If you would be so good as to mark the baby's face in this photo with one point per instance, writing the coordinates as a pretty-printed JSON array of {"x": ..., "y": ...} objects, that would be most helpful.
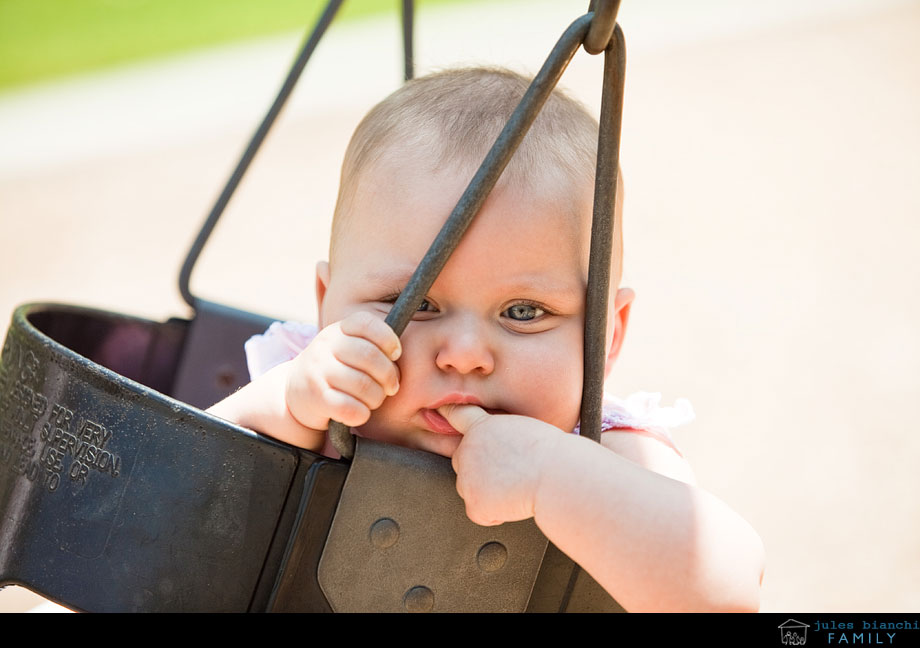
[{"x": 502, "y": 326}]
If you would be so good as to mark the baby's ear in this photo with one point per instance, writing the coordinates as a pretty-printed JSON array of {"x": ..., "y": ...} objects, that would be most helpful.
[
  {"x": 322, "y": 283},
  {"x": 620, "y": 318}
]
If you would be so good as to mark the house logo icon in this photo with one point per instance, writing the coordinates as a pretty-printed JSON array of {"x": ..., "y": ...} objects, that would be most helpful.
[{"x": 793, "y": 633}]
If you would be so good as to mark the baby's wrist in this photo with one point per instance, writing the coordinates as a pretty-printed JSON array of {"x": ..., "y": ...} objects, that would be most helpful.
[
  {"x": 298, "y": 432},
  {"x": 551, "y": 466}
]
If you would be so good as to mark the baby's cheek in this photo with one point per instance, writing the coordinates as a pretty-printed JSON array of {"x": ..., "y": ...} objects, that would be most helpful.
[{"x": 550, "y": 387}]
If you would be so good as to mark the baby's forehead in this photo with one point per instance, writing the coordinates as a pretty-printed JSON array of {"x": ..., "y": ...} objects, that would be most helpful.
[{"x": 434, "y": 188}]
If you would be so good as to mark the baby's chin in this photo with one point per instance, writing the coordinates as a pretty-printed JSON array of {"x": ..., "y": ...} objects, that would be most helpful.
[
  {"x": 415, "y": 439},
  {"x": 442, "y": 445}
]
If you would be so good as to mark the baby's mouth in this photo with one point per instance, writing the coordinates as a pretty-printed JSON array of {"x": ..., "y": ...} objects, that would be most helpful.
[{"x": 439, "y": 425}]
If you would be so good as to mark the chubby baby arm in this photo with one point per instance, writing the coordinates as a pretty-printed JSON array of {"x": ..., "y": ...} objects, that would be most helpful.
[
  {"x": 343, "y": 374},
  {"x": 654, "y": 542}
]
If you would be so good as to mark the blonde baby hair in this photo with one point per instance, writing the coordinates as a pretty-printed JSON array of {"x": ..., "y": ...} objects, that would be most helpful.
[{"x": 452, "y": 118}]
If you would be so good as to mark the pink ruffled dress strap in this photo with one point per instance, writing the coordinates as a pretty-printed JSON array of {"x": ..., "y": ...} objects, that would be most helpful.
[
  {"x": 282, "y": 341},
  {"x": 642, "y": 413}
]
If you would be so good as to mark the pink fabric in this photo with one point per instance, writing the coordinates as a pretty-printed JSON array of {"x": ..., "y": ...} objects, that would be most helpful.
[
  {"x": 640, "y": 412},
  {"x": 282, "y": 341}
]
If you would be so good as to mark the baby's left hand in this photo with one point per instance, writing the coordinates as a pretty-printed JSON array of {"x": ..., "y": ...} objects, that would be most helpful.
[{"x": 499, "y": 462}]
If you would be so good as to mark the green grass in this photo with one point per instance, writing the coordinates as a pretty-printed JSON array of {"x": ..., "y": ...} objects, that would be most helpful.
[{"x": 45, "y": 39}]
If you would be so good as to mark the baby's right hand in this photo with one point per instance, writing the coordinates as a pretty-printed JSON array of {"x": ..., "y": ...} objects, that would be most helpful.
[{"x": 345, "y": 373}]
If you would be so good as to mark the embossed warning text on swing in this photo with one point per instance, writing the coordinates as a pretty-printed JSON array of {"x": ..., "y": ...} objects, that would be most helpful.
[
  {"x": 83, "y": 441},
  {"x": 67, "y": 445}
]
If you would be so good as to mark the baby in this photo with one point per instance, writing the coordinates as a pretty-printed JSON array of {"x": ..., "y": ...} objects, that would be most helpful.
[{"x": 489, "y": 372}]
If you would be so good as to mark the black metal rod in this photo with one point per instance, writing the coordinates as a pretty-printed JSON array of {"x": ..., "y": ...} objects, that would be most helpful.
[
  {"x": 605, "y": 19},
  {"x": 408, "y": 28},
  {"x": 602, "y": 228},
  {"x": 475, "y": 195},
  {"x": 253, "y": 147}
]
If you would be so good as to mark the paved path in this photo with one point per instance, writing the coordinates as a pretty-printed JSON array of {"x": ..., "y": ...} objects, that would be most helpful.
[{"x": 771, "y": 152}]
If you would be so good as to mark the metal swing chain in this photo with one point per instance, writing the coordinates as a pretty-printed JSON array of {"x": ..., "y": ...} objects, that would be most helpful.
[
  {"x": 602, "y": 227},
  {"x": 300, "y": 62},
  {"x": 605, "y": 20},
  {"x": 595, "y": 27}
]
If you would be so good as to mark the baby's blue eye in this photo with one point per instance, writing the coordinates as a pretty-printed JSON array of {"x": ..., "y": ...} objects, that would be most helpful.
[
  {"x": 425, "y": 307},
  {"x": 523, "y": 312}
]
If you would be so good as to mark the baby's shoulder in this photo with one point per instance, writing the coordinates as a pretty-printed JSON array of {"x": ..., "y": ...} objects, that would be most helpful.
[{"x": 638, "y": 428}]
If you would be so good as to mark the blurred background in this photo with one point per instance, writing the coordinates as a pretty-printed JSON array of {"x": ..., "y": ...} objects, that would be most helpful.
[{"x": 770, "y": 151}]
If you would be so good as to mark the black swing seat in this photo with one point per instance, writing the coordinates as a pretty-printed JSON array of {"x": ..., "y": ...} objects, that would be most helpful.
[{"x": 118, "y": 494}]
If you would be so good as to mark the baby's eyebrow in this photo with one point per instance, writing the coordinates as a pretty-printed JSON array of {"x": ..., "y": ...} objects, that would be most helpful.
[
  {"x": 395, "y": 278},
  {"x": 536, "y": 286},
  {"x": 544, "y": 284}
]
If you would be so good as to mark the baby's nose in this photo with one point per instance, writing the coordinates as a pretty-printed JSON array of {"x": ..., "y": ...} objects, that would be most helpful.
[{"x": 466, "y": 349}]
